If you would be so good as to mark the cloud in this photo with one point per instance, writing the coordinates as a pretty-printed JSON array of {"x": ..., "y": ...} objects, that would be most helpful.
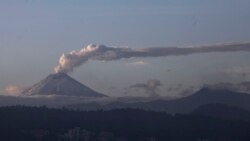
[
  {"x": 175, "y": 88},
  {"x": 13, "y": 90},
  {"x": 112, "y": 88},
  {"x": 68, "y": 62},
  {"x": 138, "y": 63},
  {"x": 150, "y": 86},
  {"x": 239, "y": 87},
  {"x": 187, "y": 91},
  {"x": 243, "y": 71}
]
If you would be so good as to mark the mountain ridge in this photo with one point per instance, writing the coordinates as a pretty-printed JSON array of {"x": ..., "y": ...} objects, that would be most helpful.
[{"x": 181, "y": 105}]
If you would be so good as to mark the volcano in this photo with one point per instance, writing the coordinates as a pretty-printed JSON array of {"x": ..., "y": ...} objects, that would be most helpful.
[{"x": 61, "y": 84}]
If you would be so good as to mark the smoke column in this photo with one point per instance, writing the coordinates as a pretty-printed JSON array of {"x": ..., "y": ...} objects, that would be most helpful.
[{"x": 68, "y": 62}]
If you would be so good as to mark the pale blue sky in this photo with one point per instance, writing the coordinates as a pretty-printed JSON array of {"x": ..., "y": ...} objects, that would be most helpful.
[{"x": 34, "y": 33}]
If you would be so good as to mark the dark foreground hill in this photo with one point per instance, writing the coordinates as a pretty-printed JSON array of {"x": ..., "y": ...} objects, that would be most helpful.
[
  {"x": 20, "y": 123},
  {"x": 222, "y": 111}
]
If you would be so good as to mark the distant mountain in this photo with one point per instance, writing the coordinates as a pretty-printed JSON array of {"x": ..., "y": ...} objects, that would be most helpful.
[
  {"x": 61, "y": 84},
  {"x": 182, "y": 105}
]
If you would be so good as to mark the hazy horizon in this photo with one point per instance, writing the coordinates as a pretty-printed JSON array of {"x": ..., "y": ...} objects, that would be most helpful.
[{"x": 34, "y": 34}]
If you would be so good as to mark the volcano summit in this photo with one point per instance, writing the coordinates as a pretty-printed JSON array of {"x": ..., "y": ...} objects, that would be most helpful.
[{"x": 61, "y": 84}]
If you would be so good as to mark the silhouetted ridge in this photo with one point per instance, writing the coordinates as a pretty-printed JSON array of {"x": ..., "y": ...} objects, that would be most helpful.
[
  {"x": 222, "y": 111},
  {"x": 207, "y": 91}
]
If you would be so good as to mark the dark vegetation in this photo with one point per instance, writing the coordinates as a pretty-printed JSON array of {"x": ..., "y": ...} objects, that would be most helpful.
[
  {"x": 223, "y": 111},
  {"x": 20, "y": 123}
]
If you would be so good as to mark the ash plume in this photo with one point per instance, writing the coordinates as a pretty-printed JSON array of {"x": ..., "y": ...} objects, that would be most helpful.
[{"x": 68, "y": 62}]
